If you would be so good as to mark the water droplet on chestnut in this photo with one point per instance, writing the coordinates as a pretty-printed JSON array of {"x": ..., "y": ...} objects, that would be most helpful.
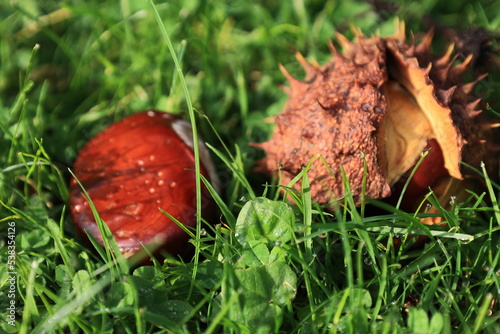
[
  {"x": 111, "y": 205},
  {"x": 132, "y": 209}
]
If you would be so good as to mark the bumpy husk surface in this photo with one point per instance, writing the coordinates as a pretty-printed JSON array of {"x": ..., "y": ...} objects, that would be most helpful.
[{"x": 369, "y": 112}]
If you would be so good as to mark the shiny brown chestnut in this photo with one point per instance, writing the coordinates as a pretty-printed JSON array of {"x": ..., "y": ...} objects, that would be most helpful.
[{"x": 131, "y": 170}]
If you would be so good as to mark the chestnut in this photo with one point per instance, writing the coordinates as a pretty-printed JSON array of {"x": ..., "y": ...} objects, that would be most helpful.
[
  {"x": 429, "y": 173},
  {"x": 131, "y": 170}
]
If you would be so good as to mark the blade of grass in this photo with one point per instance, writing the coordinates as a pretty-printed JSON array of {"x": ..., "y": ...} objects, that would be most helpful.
[
  {"x": 238, "y": 172},
  {"x": 113, "y": 253},
  {"x": 196, "y": 149},
  {"x": 493, "y": 197},
  {"x": 67, "y": 308}
]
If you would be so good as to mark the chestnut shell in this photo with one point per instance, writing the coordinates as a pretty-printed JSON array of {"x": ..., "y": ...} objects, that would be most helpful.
[{"x": 370, "y": 112}]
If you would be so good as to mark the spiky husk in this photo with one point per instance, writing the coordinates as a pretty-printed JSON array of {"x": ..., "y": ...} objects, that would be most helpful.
[
  {"x": 333, "y": 116},
  {"x": 370, "y": 112}
]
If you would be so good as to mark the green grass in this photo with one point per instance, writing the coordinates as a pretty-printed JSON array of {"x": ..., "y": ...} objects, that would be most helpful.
[{"x": 292, "y": 269}]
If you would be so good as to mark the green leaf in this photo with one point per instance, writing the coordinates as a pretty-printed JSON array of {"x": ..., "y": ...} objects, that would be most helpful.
[
  {"x": 418, "y": 321},
  {"x": 174, "y": 310},
  {"x": 264, "y": 291},
  {"x": 361, "y": 297},
  {"x": 265, "y": 220},
  {"x": 81, "y": 282},
  {"x": 437, "y": 323},
  {"x": 278, "y": 254},
  {"x": 274, "y": 282},
  {"x": 63, "y": 279},
  {"x": 154, "y": 275},
  {"x": 35, "y": 239},
  {"x": 254, "y": 254},
  {"x": 209, "y": 274},
  {"x": 121, "y": 294},
  {"x": 156, "y": 300}
]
